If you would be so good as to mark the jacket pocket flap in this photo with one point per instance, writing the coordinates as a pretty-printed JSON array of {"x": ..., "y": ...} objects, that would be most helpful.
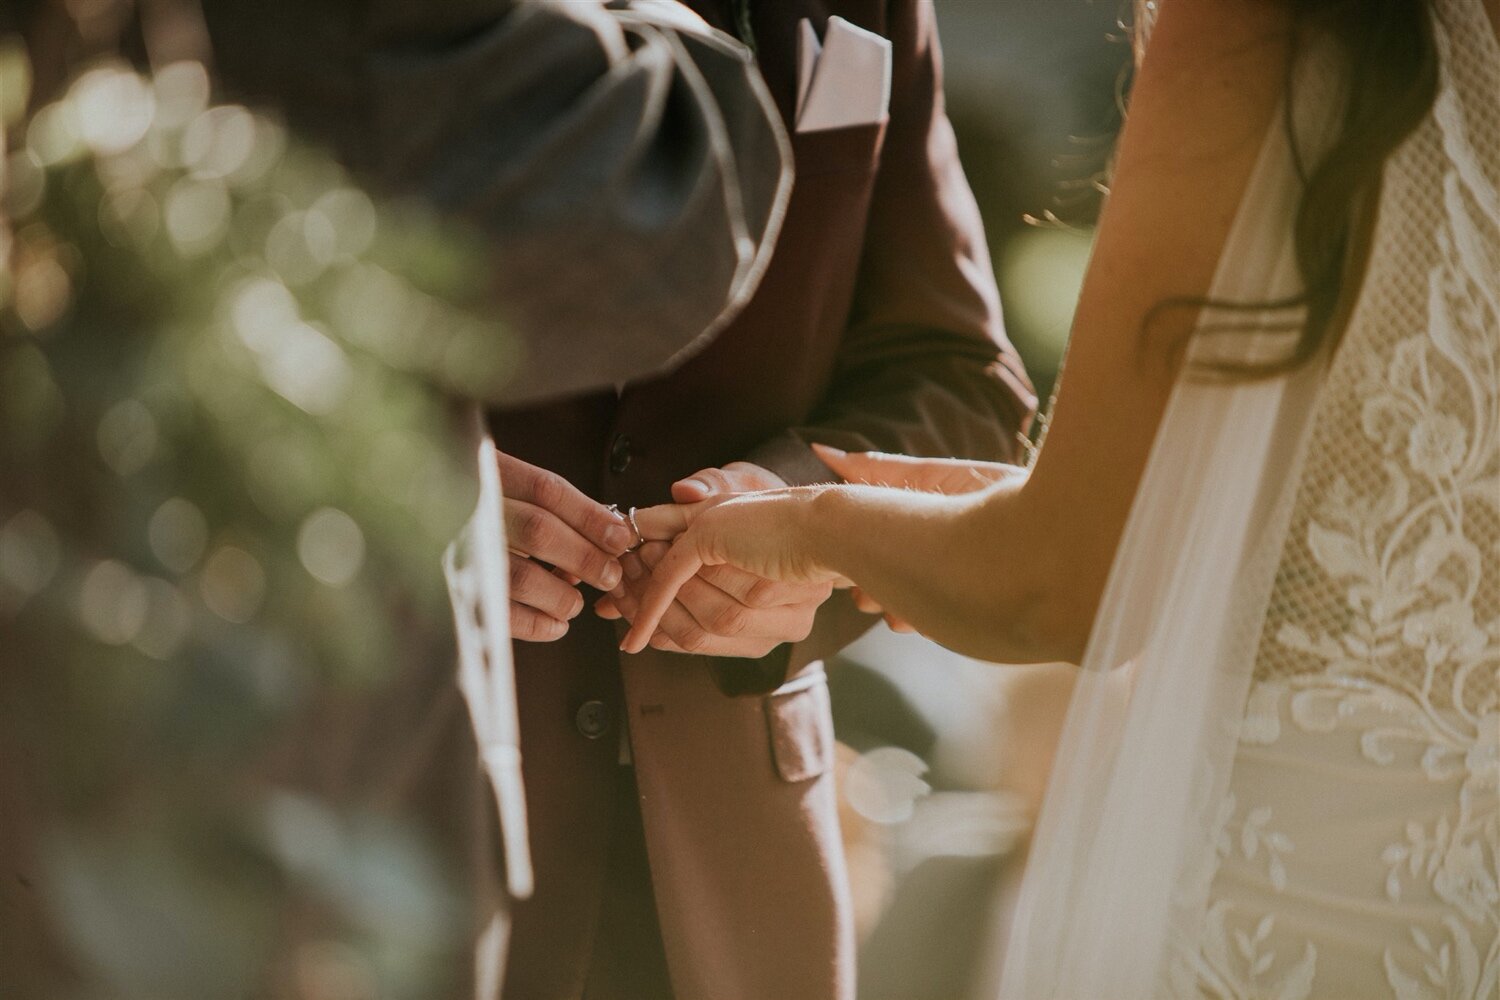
[{"x": 798, "y": 716}]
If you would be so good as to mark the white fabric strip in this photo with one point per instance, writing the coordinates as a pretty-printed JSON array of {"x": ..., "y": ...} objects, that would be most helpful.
[{"x": 476, "y": 569}]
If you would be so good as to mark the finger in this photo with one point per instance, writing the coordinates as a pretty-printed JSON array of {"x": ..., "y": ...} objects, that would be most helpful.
[
  {"x": 665, "y": 644},
  {"x": 744, "y": 477},
  {"x": 607, "y": 608},
  {"x": 759, "y": 592},
  {"x": 899, "y": 624},
  {"x": 651, "y": 553},
  {"x": 865, "y": 603},
  {"x": 629, "y": 603},
  {"x": 636, "y": 570},
  {"x": 530, "y": 625},
  {"x": 945, "y": 475},
  {"x": 676, "y": 568},
  {"x": 667, "y": 521},
  {"x": 736, "y": 477},
  {"x": 554, "y": 494},
  {"x": 746, "y": 588},
  {"x": 876, "y": 468},
  {"x": 714, "y": 612},
  {"x": 537, "y": 532},
  {"x": 627, "y": 596},
  {"x": 687, "y": 634},
  {"x": 747, "y": 648},
  {"x": 678, "y": 624},
  {"x": 718, "y": 614},
  {"x": 537, "y": 588}
]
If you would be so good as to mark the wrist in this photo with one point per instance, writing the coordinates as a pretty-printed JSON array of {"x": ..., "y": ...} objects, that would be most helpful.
[{"x": 823, "y": 526}]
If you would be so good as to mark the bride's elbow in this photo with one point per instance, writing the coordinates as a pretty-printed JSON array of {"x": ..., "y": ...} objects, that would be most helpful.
[
  {"x": 1065, "y": 620},
  {"x": 1039, "y": 600},
  {"x": 1039, "y": 610},
  {"x": 1043, "y": 625}
]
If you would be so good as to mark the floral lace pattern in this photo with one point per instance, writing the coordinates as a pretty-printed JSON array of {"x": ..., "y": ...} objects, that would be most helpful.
[{"x": 1380, "y": 659}]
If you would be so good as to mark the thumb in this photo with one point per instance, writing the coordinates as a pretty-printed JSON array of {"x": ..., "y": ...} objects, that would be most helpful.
[{"x": 699, "y": 486}]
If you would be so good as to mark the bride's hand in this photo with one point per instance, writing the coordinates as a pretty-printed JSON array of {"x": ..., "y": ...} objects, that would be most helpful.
[
  {"x": 760, "y": 533},
  {"x": 930, "y": 475}
]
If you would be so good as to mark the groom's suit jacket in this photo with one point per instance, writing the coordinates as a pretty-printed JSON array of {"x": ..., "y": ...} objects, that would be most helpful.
[{"x": 877, "y": 326}]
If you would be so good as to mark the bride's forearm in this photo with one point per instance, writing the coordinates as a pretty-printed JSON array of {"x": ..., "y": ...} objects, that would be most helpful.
[{"x": 960, "y": 569}]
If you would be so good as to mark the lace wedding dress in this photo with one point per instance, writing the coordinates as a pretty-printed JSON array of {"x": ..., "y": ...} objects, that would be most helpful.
[
  {"x": 1356, "y": 850},
  {"x": 1278, "y": 778}
]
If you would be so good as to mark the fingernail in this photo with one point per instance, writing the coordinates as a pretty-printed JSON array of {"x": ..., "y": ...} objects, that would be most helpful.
[
  {"x": 577, "y": 608},
  {"x": 618, "y": 538},
  {"x": 610, "y": 578},
  {"x": 828, "y": 449},
  {"x": 633, "y": 570},
  {"x": 697, "y": 484}
]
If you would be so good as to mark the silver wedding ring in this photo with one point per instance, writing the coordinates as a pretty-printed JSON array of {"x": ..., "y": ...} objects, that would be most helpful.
[
  {"x": 629, "y": 517},
  {"x": 640, "y": 539}
]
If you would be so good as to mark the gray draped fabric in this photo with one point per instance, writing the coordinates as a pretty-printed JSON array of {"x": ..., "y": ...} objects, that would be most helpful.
[{"x": 628, "y": 178}]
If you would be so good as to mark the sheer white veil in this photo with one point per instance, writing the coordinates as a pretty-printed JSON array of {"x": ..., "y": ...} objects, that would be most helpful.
[{"x": 1118, "y": 875}]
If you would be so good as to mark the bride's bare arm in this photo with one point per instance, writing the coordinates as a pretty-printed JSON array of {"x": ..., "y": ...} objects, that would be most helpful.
[{"x": 1015, "y": 572}]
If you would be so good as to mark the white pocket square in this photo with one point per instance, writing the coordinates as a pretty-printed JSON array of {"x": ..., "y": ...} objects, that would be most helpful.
[{"x": 844, "y": 80}]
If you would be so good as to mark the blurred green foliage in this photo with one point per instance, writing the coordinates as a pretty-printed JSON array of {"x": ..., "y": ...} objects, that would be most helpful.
[{"x": 229, "y": 463}]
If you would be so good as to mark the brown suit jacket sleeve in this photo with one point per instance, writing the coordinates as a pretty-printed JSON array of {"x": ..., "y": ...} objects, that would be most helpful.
[{"x": 924, "y": 367}]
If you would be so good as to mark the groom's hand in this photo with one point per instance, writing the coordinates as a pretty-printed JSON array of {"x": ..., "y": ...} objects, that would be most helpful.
[
  {"x": 722, "y": 611},
  {"x": 557, "y": 537}
]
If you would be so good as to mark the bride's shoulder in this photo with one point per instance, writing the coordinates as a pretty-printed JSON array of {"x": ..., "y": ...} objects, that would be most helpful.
[{"x": 1209, "y": 22}]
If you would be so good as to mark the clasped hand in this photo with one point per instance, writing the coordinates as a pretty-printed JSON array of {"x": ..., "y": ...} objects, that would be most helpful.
[
  {"x": 719, "y": 610},
  {"x": 775, "y": 534},
  {"x": 559, "y": 537},
  {"x": 728, "y": 569}
]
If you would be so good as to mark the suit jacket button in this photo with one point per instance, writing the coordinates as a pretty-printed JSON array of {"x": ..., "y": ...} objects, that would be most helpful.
[
  {"x": 620, "y": 454},
  {"x": 592, "y": 719}
]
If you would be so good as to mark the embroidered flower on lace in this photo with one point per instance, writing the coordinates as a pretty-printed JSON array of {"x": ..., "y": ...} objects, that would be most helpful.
[
  {"x": 1450, "y": 970},
  {"x": 1238, "y": 963},
  {"x": 1235, "y": 958}
]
